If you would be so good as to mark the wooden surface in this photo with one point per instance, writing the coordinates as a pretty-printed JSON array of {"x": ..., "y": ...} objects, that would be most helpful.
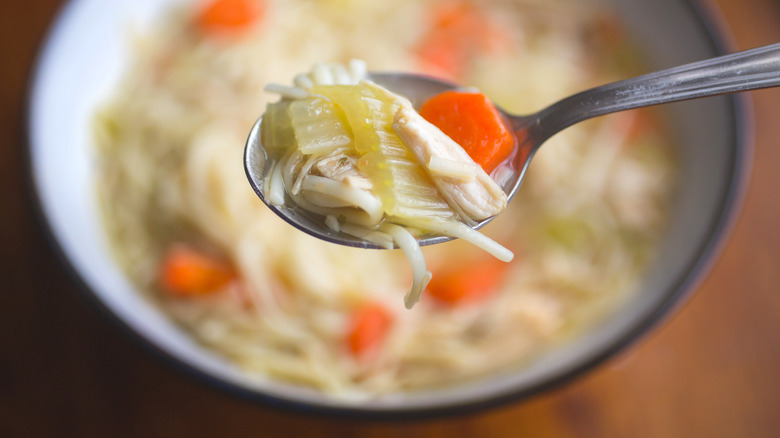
[{"x": 711, "y": 370}]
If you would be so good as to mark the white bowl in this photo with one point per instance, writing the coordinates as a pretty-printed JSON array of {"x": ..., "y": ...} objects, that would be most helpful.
[{"x": 81, "y": 61}]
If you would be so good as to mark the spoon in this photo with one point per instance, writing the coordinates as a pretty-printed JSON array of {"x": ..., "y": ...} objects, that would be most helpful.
[{"x": 741, "y": 71}]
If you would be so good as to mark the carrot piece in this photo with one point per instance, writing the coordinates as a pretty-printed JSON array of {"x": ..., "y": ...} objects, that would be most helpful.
[
  {"x": 457, "y": 33},
  {"x": 220, "y": 16},
  {"x": 454, "y": 32},
  {"x": 467, "y": 283},
  {"x": 474, "y": 123},
  {"x": 641, "y": 123},
  {"x": 440, "y": 56},
  {"x": 368, "y": 327},
  {"x": 186, "y": 272}
]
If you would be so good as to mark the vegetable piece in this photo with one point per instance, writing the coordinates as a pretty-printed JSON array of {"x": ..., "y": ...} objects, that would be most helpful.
[
  {"x": 467, "y": 283},
  {"x": 318, "y": 126},
  {"x": 474, "y": 123},
  {"x": 221, "y": 16},
  {"x": 187, "y": 272},
  {"x": 397, "y": 178},
  {"x": 368, "y": 328},
  {"x": 445, "y": 48},
  {"x": 277, "y": 131},
  {"x": 641, "y": 123},
  {"x": 458, "y": 32}
]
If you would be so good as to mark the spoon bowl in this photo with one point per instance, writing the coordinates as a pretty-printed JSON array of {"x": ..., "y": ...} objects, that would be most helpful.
[
  {"x": 741, "y": 71},
  {"x": 418, "y": 89}
]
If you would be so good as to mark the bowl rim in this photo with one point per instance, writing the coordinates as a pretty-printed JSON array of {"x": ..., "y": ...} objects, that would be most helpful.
[{"x": 740, "y": 109}]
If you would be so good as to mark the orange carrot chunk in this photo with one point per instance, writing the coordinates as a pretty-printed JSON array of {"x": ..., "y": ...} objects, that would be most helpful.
[
  {"x": 368, "y": 328},
  {"x": 445, "y": 49},
  {"x": 474, "y": 123},
  {"x": 467, "y": 283},
  {"x": 186, "y": 272},
  {"x": 220, "y": 16},
  {"x": 457, "y": 32}
]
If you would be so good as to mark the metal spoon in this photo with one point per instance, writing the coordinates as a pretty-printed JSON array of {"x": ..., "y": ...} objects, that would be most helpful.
[{"x": 747, "y": 70}]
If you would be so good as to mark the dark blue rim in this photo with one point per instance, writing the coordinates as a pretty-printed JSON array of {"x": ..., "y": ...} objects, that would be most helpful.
[{"x": 742, "y": 137}]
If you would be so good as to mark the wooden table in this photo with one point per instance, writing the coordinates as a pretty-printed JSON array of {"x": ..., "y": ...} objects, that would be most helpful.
[{"x": 711, "y": 370}]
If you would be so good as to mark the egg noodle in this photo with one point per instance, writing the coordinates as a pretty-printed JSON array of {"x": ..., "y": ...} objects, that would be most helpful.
[{"x": 583, "y": 228}]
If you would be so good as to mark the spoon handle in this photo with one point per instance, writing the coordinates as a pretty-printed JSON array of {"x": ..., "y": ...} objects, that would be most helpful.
[{"x": 747, "y": 70}]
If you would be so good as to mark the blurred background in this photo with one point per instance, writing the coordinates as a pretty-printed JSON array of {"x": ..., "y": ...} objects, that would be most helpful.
[{"x": 712, "y": 369}]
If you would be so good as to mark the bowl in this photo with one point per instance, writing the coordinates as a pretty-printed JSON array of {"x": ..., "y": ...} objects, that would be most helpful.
[{"x": 82, "y": 58}]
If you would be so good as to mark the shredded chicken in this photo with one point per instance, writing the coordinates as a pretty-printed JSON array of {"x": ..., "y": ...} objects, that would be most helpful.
[
  {"x": 478, "y": 198},
  {"x": 342, "y": 167}
]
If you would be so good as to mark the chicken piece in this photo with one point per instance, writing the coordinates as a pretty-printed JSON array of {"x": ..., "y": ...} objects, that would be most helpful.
[
  {"x": 343, "y": 168},
  {"x": 477, "y": 197}
]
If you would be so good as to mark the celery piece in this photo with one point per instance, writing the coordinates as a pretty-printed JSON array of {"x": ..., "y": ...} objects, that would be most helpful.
[
  {"x": 276, "y": 131},
  {"x": 398, "y": 179},
  {"x": 318, "y": 126}
]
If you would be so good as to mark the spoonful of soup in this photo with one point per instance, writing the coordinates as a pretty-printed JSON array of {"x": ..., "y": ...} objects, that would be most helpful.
[{"x": 385, "y": 160}]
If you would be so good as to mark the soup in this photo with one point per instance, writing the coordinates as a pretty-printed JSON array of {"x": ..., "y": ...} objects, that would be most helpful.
[{"x": 190, "y": 233}]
